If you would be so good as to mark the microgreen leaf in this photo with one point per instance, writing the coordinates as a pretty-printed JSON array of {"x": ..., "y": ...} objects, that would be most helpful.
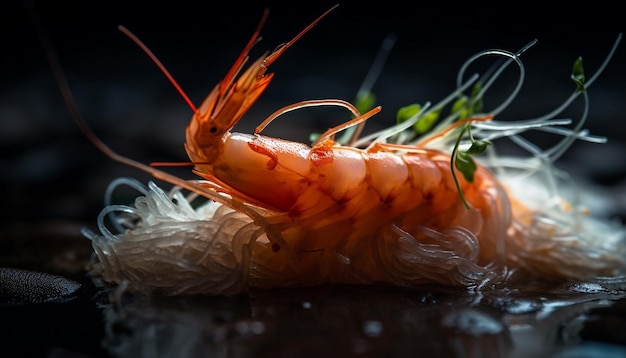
[
  {"x": 578, "y": 75},
  {"x": 466, "y": 106},
  {"x": 365, "y": 101},
  {"x": 463, "y": 161},
  {"x": 477, "y": 147},
  {"x": 407, "y": 112},
  {"x": 459, "y": 106},
  {"x": 465, "y": 164},
  {"x": 425, "y": 123},
  {"x": 476, "y": 99},
  {"x": 454, "y": 163},
  {"x": 313, "y": 136}
]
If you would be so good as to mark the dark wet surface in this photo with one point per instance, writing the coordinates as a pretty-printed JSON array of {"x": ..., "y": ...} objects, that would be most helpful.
[
  {"x": 538, "y": 320},
  {"x": 53, "y": 180}
]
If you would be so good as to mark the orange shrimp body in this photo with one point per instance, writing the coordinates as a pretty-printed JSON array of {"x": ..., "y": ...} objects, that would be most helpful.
[
  {"x": 331, "y": 203},
  {"x": 338, "y": 227}
]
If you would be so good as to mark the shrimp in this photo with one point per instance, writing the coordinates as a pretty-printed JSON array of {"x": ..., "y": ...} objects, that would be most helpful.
[
  {"x": 282, "y": 213},
  {"x": 328, "y": 201}
]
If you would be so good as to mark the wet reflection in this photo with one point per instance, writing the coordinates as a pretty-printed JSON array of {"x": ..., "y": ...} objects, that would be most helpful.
[{"x": 361, "y": 321}]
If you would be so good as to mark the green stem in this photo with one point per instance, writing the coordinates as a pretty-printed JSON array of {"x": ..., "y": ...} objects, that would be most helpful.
[{"x": 453, "y": 167}]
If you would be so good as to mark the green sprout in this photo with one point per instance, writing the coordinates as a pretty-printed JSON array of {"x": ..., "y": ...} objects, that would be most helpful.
[
  {"x": 578, "y": 75},
  {"x": 463, "y": 161},
  {"x": 464, "y": 107},
  {"x": 365, "y": 101},
  {"x": 423, "y": 124},
  {"x": 313, "y": 136},
  {"x": 406, "y": 112}
]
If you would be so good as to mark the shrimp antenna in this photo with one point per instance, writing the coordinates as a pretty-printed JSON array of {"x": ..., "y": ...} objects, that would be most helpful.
[
  {"x": 64, "y": 87},
  {"x": 276, "y": 54},
  {"x": 158, "y": 63}
]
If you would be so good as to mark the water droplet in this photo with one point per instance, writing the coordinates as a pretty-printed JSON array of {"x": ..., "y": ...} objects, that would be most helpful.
[
  {"x": 250, "y": 327},
  {"x": 517, "y": 306},
  {"x": 588, "y": 287},
  {"x": 428, "y": 299},
  {"x": 372, "y": 328},
  {"x": 473, "y": 322}
]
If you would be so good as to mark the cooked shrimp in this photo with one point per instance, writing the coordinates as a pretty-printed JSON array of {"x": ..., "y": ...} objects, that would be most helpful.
[
  {"x": 379, "y": 209},
  {"x": 329, "y": 201}
]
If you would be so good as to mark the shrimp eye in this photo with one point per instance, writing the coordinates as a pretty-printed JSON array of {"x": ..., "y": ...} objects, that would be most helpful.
[{"x": 213, "y": 129}]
